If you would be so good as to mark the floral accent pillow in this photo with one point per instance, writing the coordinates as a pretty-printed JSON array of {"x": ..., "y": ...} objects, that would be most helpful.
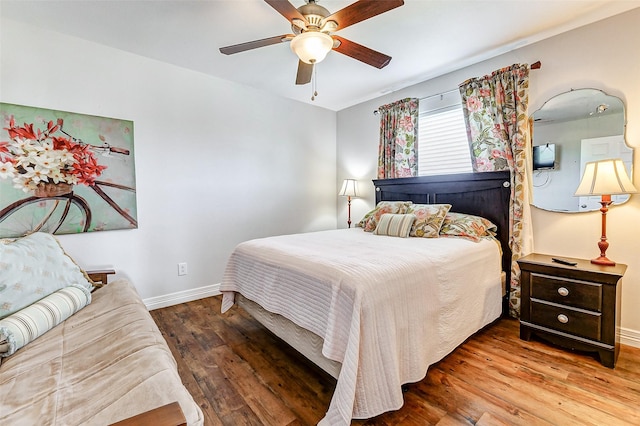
[
  {"x": 370, "y": 221},
  {"x": 395, "y": 225},
  {"x": 467, "y": 226},
  {"x": 429, "y": 219}
]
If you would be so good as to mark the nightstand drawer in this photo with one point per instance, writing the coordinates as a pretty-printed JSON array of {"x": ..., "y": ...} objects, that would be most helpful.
[
  {"x": 573, "y": 321},
  {"x": 579, "y": 294}
]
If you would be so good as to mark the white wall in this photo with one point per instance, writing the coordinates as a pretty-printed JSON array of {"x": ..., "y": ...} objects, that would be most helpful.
[
  {"x": 216, "y": 163},
  {"x": 602, "y": 56}
]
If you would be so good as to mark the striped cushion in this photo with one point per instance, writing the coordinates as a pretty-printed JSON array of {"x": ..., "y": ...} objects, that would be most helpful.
[
  {"x": 395, "y": 225},
  {"x": 26, "y": 325}
]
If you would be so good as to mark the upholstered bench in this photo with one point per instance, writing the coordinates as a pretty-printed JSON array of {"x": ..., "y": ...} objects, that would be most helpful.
[{"x": 106, "y": 362}]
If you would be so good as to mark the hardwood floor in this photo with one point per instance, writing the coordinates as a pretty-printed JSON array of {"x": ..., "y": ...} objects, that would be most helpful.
[{"x": 240, "y": 374}]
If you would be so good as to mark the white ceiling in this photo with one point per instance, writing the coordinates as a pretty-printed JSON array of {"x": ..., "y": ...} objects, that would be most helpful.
[{"x": 426, "y": 38}]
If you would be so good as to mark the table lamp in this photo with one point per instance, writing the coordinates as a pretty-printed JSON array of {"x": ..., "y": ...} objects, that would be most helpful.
[
  {"x": 349, "y": 189},
  {"x": 605, "y": 178}
]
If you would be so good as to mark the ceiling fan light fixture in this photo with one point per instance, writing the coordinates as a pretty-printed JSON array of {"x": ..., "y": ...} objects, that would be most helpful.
[{"x": 311, "y": 46}]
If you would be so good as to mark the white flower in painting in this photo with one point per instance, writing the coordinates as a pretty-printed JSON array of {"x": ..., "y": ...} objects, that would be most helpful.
[
  {"x": 20, "y": 182},
  {"x": 7, "y": 170},
  {"x": 66, "y": 157},
  {"x": 56, "y": 176},
  {"x": 41, "y": 173},
  {"x": 35, "y": 174},
  {"x": 46, "y": 162},
  {"x": 19, "y": 144},
  {"x": 47, "y": 146},
  {"x": 37, "y": 147},
  {"x": 30, "y": 186},
  {"x": 72, "y": 179},
  {"x": 27, "y": 160}
]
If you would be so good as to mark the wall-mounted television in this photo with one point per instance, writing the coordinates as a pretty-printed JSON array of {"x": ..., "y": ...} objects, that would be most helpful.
[{"x": 544, "y": 156}]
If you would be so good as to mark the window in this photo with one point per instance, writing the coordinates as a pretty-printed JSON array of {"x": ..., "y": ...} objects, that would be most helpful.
[{"x": 442, "y": 140}]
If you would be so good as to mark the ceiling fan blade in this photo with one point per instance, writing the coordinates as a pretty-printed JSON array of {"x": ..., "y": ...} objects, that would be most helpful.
[
  {"x": 286, "y": 9},
  {"x": 304, "y": 73},
  {"x": 361, "y": 10},
  {"x": 361, "y": 53},
  {"x": 236, "y": 48}
]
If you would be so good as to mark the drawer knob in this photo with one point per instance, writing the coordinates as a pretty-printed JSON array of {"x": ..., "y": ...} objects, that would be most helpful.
[
  {"x": 563, "y": 291},
  {"x": 563, "y": 318}
]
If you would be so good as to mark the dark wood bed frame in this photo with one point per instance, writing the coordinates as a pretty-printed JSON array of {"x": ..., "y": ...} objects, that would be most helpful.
[{"x": 485, "y": 194}]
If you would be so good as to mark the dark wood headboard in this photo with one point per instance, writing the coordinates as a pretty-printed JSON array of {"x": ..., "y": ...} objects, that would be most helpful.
[{"x": 482, "y": 194}]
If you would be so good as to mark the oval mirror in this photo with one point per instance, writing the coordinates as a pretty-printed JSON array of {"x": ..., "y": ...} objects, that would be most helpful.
[{"x": 569, "y": 130}]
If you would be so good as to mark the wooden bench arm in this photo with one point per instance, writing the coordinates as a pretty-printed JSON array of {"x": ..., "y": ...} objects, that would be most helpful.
[
  {"x": 167, "y": 415},
  {"x": 100, "y": 277}
]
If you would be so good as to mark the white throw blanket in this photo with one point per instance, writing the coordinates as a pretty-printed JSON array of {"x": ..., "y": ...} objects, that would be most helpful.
[{"x": 386, "y": 307}]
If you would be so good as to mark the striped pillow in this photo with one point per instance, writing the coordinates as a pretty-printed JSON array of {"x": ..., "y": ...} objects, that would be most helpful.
[
  {"x": 395, "y": 225},
  {"x": 26, "y": 325}
]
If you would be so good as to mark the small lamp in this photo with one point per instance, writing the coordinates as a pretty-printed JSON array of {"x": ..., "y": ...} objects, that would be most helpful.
[
  {"x": 349, "y": 189},
  {"x": 605, "y": 178}
]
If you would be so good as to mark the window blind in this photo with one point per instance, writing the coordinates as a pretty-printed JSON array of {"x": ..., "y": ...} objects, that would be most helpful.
[{"x": 443, "y": 147}]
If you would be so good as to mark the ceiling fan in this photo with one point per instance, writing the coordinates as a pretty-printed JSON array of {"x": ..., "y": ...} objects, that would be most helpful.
[{"x": 312, "y": 37}]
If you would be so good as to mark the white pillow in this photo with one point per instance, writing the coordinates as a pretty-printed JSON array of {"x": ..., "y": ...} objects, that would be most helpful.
[{"x": 33, "y": 267}]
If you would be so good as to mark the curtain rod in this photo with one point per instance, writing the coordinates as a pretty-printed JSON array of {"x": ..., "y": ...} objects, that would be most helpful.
[
  {"x": 534, "y": 66},
  {"x": 376, "y": 112}
]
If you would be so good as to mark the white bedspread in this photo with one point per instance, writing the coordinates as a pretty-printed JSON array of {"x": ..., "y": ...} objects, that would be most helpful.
[{"x": 386, "y": 307}]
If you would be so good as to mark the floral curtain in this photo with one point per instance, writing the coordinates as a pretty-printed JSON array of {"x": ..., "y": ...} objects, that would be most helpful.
[
  {"x": 496, "y": 114},
  {"x": 398, "y": 151}
]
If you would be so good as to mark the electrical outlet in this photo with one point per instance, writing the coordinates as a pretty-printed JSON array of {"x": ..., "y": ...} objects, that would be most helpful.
[{"x": 182, "y": 268}]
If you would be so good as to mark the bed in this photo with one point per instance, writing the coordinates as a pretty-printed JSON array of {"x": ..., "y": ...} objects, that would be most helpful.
[{"x": 375, "y": 311}]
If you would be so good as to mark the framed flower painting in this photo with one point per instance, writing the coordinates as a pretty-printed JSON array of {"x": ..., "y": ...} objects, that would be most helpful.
[{"x": 63, "y": 172}]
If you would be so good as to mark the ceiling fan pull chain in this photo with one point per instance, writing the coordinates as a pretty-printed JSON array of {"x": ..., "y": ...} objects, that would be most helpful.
[{"x": 314, "y": 83}]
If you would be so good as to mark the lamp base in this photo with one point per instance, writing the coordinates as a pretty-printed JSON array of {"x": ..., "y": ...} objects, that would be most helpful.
[
  {"x": 603, "y": 245},
  {"x": 603, "y": 260}
]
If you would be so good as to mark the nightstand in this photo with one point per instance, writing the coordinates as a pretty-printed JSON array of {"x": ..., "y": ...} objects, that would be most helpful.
[{"x": 576, "y": 307}]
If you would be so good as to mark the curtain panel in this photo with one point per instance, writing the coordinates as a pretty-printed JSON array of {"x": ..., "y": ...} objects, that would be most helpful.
[
  {"x": 398, "y": 150},
  {"x": 496, "y": 115}
]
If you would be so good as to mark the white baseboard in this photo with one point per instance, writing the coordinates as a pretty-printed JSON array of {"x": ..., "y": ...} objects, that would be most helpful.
[
  {"x": 183, "y": 296},
  {"x": 630, "y": 337}
]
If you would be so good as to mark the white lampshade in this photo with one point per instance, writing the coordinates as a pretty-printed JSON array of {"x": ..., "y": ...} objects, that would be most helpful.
[
  {"x": 311, "y": 46},
  {"x": 606, "y": 177},
  {"x": 349, "y": 188}
]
